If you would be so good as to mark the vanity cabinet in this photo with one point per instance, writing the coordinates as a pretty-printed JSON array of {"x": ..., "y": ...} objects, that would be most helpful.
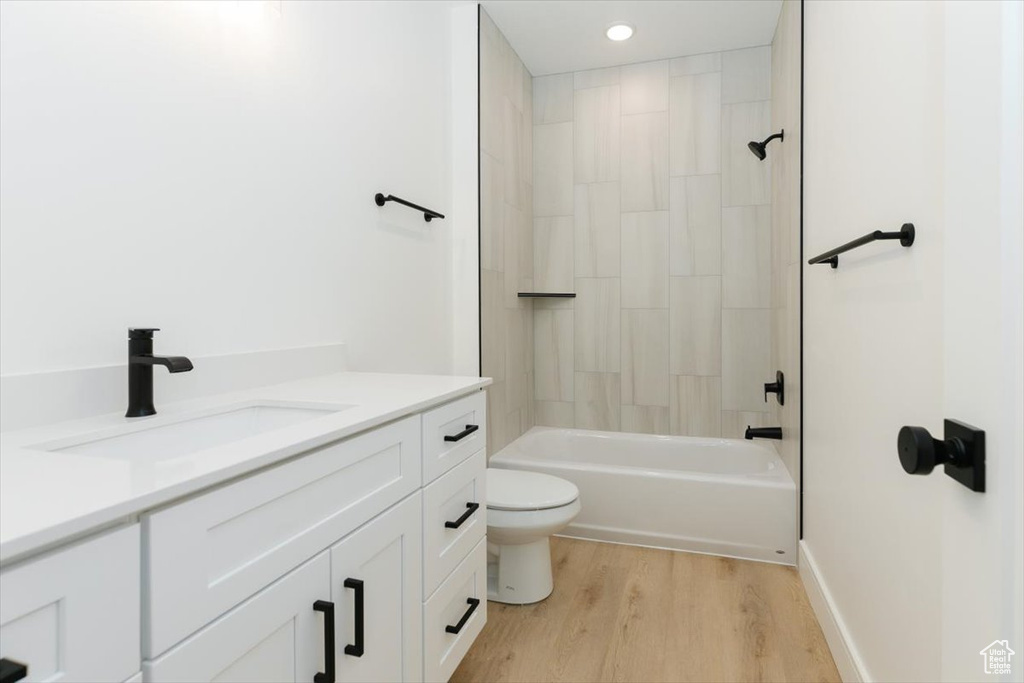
[
  {"x": 73, "y": 614},
  {"x": 361, "y": 560}
]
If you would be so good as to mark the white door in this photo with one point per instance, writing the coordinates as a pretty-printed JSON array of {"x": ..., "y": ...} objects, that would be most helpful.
[
  {"x": 275, "y": 636},
  {"x": 981, "y": 333},
  {"x": 913, "y": 114},
  {"x": 377, "y": 591}
]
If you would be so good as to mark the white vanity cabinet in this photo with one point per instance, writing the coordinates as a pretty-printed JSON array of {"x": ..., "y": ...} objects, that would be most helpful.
[
  {"x": 361, "y": 560},
  {"x": 73, "y": 614}
]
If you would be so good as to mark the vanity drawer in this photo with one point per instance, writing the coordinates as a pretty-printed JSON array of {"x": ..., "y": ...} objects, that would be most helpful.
[
  {"x": 74, "y": 614},
  {"x": 446, "y": 611},
  {"x": 452, "y": 433},
  {"x": 446, "y": 504},
  {"x": 208, "y": 554}
]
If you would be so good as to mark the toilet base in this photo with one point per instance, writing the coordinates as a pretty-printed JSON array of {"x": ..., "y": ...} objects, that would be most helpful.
[{"x": 519, "y": 574}]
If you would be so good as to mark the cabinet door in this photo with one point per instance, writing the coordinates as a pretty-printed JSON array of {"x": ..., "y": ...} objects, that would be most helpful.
[
  {"x": 379, "y": 565},
  {"x": 274, "y": 636},
  {"x": 73, "y": 614}
]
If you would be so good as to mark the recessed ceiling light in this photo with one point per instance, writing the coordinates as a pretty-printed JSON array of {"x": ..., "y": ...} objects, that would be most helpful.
[{"x": 619, "y": 32}]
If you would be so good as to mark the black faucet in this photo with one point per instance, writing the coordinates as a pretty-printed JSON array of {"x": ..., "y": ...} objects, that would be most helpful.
[
  {"x": 140, "y": 370},
  {"x": 763, "y": 433}
]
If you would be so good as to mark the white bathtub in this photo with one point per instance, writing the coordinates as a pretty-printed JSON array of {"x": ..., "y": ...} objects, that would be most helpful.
[{"x": 720, "y": 496}]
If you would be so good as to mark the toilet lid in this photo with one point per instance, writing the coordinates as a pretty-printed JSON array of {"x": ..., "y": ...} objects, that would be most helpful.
[{"x": 518, "y": 490}]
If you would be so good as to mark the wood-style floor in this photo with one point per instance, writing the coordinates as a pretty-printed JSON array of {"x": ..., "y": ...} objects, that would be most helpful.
[{"x": 622, "y": 613}]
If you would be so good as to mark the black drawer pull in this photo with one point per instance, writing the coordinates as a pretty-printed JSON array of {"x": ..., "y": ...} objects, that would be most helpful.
[
  {"x": 11, "y": 671},
  {"x": 357, "y": 649},
  {"x": 470, "y": 509},
  {"x": 328, "y": 609},
  {"x": 463, "y": 434},
  {"x": 473, "y": 604}
]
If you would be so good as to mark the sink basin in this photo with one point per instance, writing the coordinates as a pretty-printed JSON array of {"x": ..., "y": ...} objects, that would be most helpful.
[{"x": 192, "y": 434}]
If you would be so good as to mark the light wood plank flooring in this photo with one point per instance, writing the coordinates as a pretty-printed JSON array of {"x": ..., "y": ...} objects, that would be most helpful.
[{"x": 622, "y": 613}]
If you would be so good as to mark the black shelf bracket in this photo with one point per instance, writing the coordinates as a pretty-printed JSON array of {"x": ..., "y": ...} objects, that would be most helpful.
[
  {"x": 905, "y": 235},
  {"x": 547, "y": 295},
  {"x": 381, "y": 199}
]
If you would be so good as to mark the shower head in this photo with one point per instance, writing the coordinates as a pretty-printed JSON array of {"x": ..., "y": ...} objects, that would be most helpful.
[{"x": 758, "y": 148}]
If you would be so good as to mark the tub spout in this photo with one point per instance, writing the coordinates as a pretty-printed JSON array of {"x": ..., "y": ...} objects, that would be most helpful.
[{"x": 763, "y": 433}]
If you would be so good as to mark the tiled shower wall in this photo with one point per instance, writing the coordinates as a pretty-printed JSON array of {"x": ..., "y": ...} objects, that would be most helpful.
[
  {"x": 786, "y": 229},
  {"x": 506, "y": 236},
  {"x": 648, "y": 204}
]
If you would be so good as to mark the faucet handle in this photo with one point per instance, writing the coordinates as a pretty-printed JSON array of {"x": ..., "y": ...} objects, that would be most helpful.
[{"x": 142, "y": 332}]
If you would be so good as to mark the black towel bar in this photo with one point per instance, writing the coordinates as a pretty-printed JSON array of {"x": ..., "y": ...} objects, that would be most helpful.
[
  {"x": 905, "y": 236},
  {"x": 382, "y": 199}
]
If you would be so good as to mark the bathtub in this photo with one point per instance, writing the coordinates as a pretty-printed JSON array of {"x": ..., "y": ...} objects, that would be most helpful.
[{"x": 718, "y": 496}]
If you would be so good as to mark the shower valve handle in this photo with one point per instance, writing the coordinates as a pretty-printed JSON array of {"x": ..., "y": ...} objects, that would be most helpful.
[{"x": 778, "y": 387}]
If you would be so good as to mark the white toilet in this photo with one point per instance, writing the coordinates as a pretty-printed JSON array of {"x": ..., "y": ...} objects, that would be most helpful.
[{"x": 523, "y": 510}]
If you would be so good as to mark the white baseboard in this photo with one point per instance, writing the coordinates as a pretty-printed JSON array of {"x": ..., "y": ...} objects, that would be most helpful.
[
  {"x": 844, "y": 653},
  {"x": 31, "y": 400}
]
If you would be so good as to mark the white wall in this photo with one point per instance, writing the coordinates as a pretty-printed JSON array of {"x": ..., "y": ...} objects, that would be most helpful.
[
  {"x": 209, "y": 168},
  {"x": 903, "y": 107}
]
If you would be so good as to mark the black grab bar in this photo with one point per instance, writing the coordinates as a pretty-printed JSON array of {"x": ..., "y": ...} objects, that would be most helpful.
[
  {"x": 905, "y": 236},
  {"x": 382, "y": 199}
]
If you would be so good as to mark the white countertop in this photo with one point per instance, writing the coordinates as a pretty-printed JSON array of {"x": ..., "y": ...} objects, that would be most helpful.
[{"x": 49, "y": 497}]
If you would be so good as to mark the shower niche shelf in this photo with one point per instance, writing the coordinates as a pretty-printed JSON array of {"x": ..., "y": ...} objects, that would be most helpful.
[{"x": 547, "y": 295}]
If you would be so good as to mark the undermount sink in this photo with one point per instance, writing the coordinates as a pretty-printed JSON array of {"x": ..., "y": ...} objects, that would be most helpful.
[{"x": 181, "y": 437}]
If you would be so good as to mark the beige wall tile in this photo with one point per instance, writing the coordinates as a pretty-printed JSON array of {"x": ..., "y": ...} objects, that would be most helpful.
[
  {"x": 645, "y": 375},
  {"x": 645, "y": 256},
  {"x": 645, "y": 420},
  {"x": 696, "y": 406},
  {"x": 492, "y": 213},
  {"x": 597, "y": 324},
  {"x": 596, "y": 134},
  {"x": 596, "y": 404},
  {"x": 735, "y": 423},
  {"x": 492, "y": 325},
  {"x": 696, "y": 225},
  {"x": 553, "y": 355},
  {"x": 595, "y": 78},
  {"x": 598, "y": 231},
  {"x": 515, "y": 252},
  {"x": 644, "y": 87},
  {"x": 696, "y": 125},
  {"x": 745, "y": 179},
  {"x": 552, "y": 170},
  {"x": 644, "y": 152},
  {"x": 696, "y": 326},
  {"x": 552, "y": 99},
  {"x": 492, "y": 81},
  {"x": 553, "y": 254},
  {"x": 497, "y": 421},
  {"x": 746, "y": 257},
  {"x": 746, "y": 351},
  {"x": 554, "y": 413},
  {"x": 695, "y": 64},
  {"x": 746, "y": 74},
  {"x": 511, "y": 157}
]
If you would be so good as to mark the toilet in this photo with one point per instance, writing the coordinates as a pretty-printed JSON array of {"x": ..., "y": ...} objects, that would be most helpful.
[{"x": 523, "y": 510}]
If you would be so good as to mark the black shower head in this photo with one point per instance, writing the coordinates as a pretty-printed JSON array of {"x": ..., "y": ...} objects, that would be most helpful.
[{"x": 758, "y": 148}]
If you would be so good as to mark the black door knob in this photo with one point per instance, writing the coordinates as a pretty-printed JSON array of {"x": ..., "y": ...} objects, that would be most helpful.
[{"x": 920, "y": 453}]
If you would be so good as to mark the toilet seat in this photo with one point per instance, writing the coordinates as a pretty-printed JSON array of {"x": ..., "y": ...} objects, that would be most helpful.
[{"x": 518, "y": 490}]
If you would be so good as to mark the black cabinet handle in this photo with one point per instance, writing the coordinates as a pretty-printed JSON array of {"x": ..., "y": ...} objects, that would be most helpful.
[
  {"x": 463, "y": 434},
  {"x": 473, "y": 604},
  {"x": 11, "y": 671},
  {"x": 470, "y": 509},
  {"x": 357, "y": 649},
  {"x": 328, "y": 609}
]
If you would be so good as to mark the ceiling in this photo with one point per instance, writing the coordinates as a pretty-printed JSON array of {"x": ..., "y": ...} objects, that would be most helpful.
[{"x": 556, "y": 36}]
